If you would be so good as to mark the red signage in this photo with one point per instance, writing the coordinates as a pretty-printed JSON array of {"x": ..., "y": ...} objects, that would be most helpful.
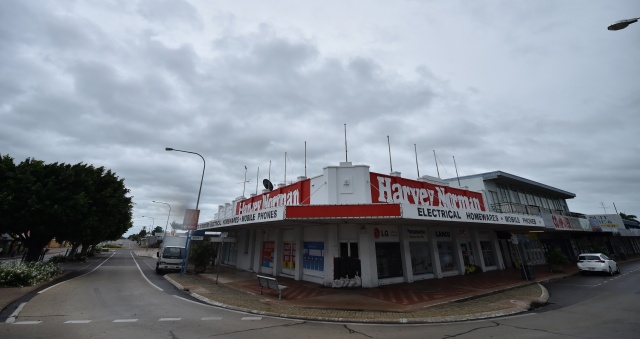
[
  {"x": 294, "y": 194},
  {"x": 390, "y": 189},
  {"x": 191, "y": 217}
]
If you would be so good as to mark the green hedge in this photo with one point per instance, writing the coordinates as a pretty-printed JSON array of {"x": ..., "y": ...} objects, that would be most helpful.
[{"x": 27, "y": 274}]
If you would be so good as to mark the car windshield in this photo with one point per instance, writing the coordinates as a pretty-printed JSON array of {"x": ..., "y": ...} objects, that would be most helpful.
[{"x": 172, "y": 252}]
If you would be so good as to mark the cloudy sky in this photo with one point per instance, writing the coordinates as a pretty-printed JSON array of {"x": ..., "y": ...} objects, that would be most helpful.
[{"x": 539, "y": 89}]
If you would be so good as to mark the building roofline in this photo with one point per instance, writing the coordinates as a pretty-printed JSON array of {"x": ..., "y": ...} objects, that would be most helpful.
[{"x": 496, "y": 175}]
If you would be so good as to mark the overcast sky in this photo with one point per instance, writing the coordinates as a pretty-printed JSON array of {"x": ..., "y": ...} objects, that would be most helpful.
[{"x": 540, "y": 89}]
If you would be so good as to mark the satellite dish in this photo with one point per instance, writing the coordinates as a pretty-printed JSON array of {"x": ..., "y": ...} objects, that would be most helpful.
[{"x": 267, "y": 184}]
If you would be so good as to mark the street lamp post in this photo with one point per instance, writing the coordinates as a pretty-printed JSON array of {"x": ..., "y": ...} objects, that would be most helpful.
[
  {"x": 153, "y": 223},
  {"x": 622, "y": 24},
  {"x": 164, "y": 233},
  {"x": 185, "y": 261}
]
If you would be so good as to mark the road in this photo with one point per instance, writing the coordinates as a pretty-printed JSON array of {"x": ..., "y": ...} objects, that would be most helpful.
[{"x": 121, "y": 296}]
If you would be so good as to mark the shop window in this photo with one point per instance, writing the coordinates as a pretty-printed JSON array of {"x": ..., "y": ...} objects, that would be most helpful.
[
  {"x": 488, "y": 254},
  {"x": 420, "y": 258},
  {"x": 389, "y": 260},
  {"x": 349, "y": 249},
  {"x": 447, "y": 259}
]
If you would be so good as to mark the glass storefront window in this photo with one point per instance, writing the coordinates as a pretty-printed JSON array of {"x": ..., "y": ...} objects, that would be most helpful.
[
  {"x": 420, "y": 258},
  {"x": 445, "y": 252},
  {"x": 487, "y": 253},
  {"x": 388, "y": 260}
]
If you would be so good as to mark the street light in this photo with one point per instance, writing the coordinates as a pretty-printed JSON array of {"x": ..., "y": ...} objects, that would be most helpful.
[
  {"x": 153, "y": 223},
  {"x": 186, "y": 255},
  {"x": 164, "y": 233},
  {"x": 622, "y": 24}
]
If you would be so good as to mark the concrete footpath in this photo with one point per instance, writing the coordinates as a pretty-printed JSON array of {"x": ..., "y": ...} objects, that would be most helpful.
[
  {"x": 457, "y": 298},
  {"x": 460, "y": 298}
]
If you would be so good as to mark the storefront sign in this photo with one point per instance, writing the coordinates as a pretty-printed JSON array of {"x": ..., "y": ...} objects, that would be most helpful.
[
  {"x": 444, "y": 234},
  {"x": 190, "y": 220},
  {"x": 389, "y": 233},
  {"x": 430, "y": 213},
  {"x": 294, "y": 194},
  {"x": 417, "y": 233},
  {"x": 606, "y": 222},
  {"x": 267, "y": 215},
  {"x": 561, "y": 222},
  {"x": 390, "y": 189}
]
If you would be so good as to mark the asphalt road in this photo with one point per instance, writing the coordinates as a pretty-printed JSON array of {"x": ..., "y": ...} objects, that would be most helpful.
[{"x": 121, "y": 296}]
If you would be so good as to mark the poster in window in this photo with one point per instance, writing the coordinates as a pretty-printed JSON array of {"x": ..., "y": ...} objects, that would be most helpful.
[
  {"x": 313, "y": 258},
  {"x": 267, "y": 253}
]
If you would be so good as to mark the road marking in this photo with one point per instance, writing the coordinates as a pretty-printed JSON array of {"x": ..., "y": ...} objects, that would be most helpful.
[
  {"x": 27, "y": 322},
  {"x": 125, "y": 320},
  {"x": 169, "y": 319},
  {"x": 251, "y": 318},
  {"x": 144, "y": 276},
  {"x": 211, "y": 318},
  {"x": 60, "y": 283},
  {"x": 77, "y": 322},
  {"x": 14, "y": 315}
]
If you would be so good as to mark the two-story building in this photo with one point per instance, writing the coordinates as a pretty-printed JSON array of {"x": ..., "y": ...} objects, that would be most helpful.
[{"x": 350, "y": 226}]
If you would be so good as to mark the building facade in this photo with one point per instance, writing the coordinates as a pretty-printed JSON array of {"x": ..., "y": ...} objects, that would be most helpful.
[{"x": 353, "y": 227}]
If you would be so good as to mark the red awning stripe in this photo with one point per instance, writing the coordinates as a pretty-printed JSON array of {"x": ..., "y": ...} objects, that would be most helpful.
[{"x": 343, "y": 211}]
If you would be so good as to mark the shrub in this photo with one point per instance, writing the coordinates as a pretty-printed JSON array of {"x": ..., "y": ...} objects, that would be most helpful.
[
  {"x": 62, "y": 258},
  {"x": 27, "y": 274}
]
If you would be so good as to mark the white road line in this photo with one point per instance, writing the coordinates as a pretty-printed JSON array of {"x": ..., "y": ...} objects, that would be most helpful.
[
  {"x": 169, "y": 319},
  {"x": 60, "y": 283},
  {"x": 125, "y": 320},
  {"x": 77, "y": 322},
  {"x": 251, "y": 318},
  {"x": 144, "y": 276},
  {"x": 27, "y": 322},
  {"x": 211, "y": 318},
  {"x": 14, "y": 315}
]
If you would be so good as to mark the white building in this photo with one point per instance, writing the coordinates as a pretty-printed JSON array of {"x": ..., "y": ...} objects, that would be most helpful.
[{"x": 351, "y": 222}]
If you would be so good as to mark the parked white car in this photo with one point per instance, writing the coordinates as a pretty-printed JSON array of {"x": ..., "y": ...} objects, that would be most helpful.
[{"x": 597, "y": 262}]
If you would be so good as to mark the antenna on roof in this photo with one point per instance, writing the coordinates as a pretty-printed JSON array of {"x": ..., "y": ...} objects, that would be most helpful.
[
  {"x": 346, "y": 158},
  {"x": 257, "y": 176},
  {"x": 389, "y": 144},
  {"x": 269, "y": 169},
  {"x": 244, "y": 184},
  {"x": 436, "y": 158},
  {"x": 415, "y": 149},
  {"x": 457, "y": 176},
  {"x": 305, "y": 158},
  {"x": 285, "y": 168}
]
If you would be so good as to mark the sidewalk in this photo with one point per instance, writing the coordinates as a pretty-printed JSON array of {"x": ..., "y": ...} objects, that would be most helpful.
[{"x": 458, "y": 298}]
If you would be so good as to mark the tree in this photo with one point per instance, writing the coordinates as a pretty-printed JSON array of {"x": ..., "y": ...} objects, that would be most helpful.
[
  {"x": 106, "y": 210},
  {"x": 628, "y": 217},
  {"x": 77, "y": 203},
  {"x": 157, "y": 230},
  {"x": 31, "y": 203}
]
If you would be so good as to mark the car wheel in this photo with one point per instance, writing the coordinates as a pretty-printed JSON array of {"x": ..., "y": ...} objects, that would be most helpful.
[
  {"x": 610, "y": 271},
  {"x": 618, "y": 269},
  {"x": 158, "y": 270}
]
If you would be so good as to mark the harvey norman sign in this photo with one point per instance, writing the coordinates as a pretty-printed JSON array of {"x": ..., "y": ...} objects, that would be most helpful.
[
  {"x": 390, "y": 189},
  {"x": 444, "y": 214},
  {"x": 265, "y": 215}
]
